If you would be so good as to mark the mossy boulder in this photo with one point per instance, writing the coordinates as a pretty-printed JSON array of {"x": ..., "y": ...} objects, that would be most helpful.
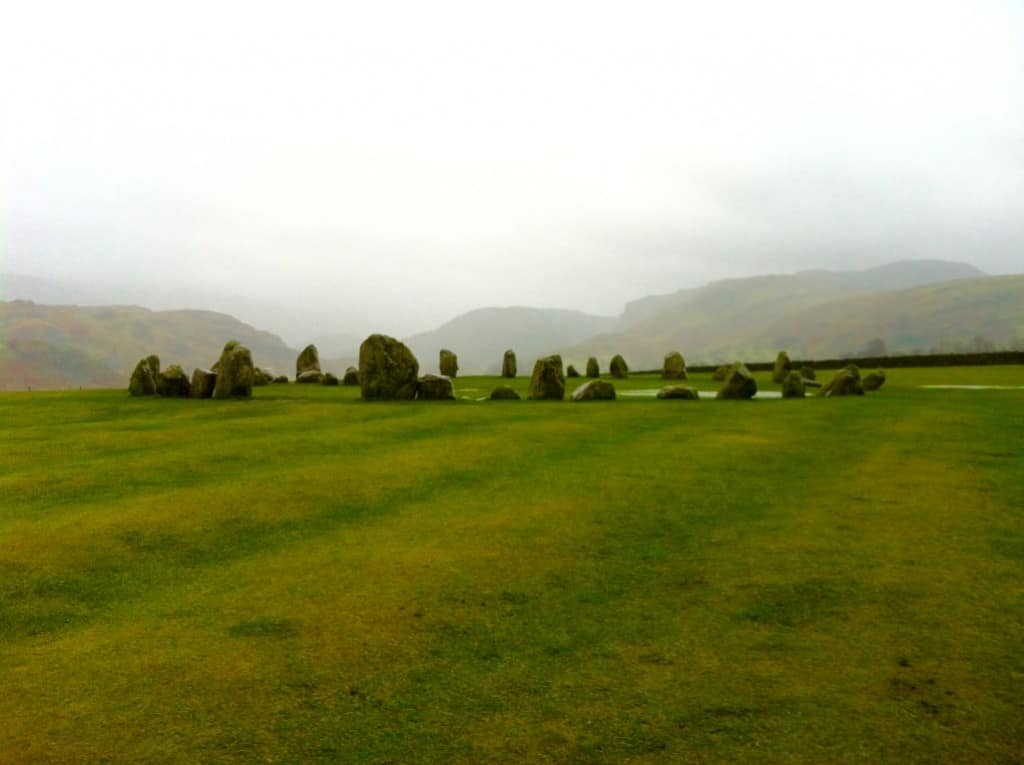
[
  {"x": 846, "y": 382},
  {"x": 679, "y": 391},
  {"x": 504, "y": 393},
  {"x": 261, "y": 377},
  {"x": 280, "y": 380},
  {"x": 351, "y": 377},
  {"x": 570, "y": 371},
  {"x": 203, "y": 383},
  {"x": 310, "y": 377},
  {"x": 617, "y": 367},
  {"x": 329, "y": 379},
  {"x": 547, "y": 381},
  {"x": 873, "y": 380},
  {"x": 508, "y": 364},
  {"x": 448, "y": 363},
  {"x": 674, "y": 366},
  {"x": 782, "y": 367},
  {"x": 143, "y": 381},
  {"x": 793, "y": 385},
  {"x": 387, "y": 369},
  {"x": 721, "y": 373},
  {"x": 593, "y": 369},
  {"x": 235, "y": 372},
  {"x": 738, "y": 383},
  {"x": 308, "y": 361},
  {"x": 808, "y": 373},
  {"x": 173, "y": 383},
  {"x": 595, "y": 390},
  {"x": 435, "y": 388}
]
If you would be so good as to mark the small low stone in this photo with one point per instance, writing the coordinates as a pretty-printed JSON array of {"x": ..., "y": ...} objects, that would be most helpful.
[
  {"x": 846, "y": 382},
  {"x": 808, "y": 373},
  {"x": 874, "y": 380},
  {"x": 351, "y": 377},
  {"x": 329, "y": 379},
  {"x": 571, "y": 371},
  {"x": 721, "y": 373},
  {"x": 679, "y": 391},
  {"x": 595, "y": 390},
  {"x": 504, "y": 393},
  {"x": 173, "y": 383},
  {"x": 793, "y": 385},
  {"x": 310, "y": 377},
  {"x": 280, "y": 380},
  {"x": 435, "y": 388},
  {"x": 203, "y": 383},
  {"x": 738, "y": 383},
  {"x": 261, "y": 377}
]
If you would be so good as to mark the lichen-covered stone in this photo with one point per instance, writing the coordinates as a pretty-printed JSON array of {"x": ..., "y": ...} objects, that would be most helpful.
[
  {"x": 173, "y": 383},
  {"x": 234, "y": 372},
  {"x": 617, "y": 367},
  {"x": 508, "y": 364},
  {"x": 261, "y": 377},
  {"x": 329, "y": 379},
  {"x": 203, "y": 383},
  {"x": 143, "y": 381},
  {"x": 845, "y": 383},
  {"x": 595, "y": 390},
  {"x": 793, "y": 385},
  {"x": 782, "y": 367},
  {"x": 280, "y": 380},
  {"x": 310, "y": 377},
  {"x": 593, "y": 370},
  {"x": 738, "y": 383},
  {"x": 721, "y": 373},
  {"x": 504, "y": 393},
  {"x": 448, "y": 363},
  {"x": 308, "y": 360},
  {"x": 154, "y": 365},
  {"x": 674, "y": 366},
  {"x": 873, "y": 380},
  {"x": 387, "y": 369},
  {"x": 679, "y": 391},
  {"x": 351, "y": 377},
  {"x": 435, "y": 388},
  {"x": 547, "y": 381},
  {"x": 570, "y": 371},
  {"x": 808, "y": 373}
]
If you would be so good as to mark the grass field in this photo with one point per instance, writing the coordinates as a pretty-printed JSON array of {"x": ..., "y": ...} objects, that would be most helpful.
[{"x": 308, "y": 577}]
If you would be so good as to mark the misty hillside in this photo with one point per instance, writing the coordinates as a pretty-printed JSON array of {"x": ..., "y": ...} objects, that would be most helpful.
[
  {"x": 54, "y": 346},
  {"x": 481, "y": 337},
  {"x": 756, "y": 320}
]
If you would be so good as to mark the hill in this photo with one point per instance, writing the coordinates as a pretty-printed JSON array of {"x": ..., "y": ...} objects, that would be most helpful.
[
  {"x": 60, "y": 346},
  {"x": 480, "y": 337}
]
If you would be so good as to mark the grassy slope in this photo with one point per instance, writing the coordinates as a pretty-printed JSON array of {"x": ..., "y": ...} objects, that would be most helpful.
[{"x": 306, "y": 577}]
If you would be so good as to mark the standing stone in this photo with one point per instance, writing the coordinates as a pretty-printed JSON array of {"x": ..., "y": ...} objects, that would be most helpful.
[
  {"x": 387, "y": 369},
  {"x": 782, "y": 367},
  {"x": 793, "y": 385},
  {"x": 845, "y": 383},
  {"x": 234, "y": 372},
  {"x": 593, "y": 370},
  {"x": 874, "y": 380},
  {"x": 721, "y": 373},
  {"x": 595, "y": 390},
  {"x": 449, "y": 363},
  {"x": 173, "y": 383},
  {"x": 571, "y": 371},
  {"x": 738, "y": 384},
  {"x": 435, "y": 388},
  {"x": 617, "y": 367},
  {"x": 547, "y": 381},
  {"x": 508, "y": 364},
  {"x": 351, "y": 377},
  {"x": 203, "y": 383},
  {"x": 674, "y": 367},
  {"x": 679, "y": 391},
  {"x": 329, "y": 379},
  {"x": 308, "y": 361},
  {"x": 504, "y": 393},
  {"x": 143, "y": 381},
  {"x": 154, "y": 365}
]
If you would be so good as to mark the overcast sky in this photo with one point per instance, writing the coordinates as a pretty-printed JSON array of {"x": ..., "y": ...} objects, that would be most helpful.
[{"x": 389, "y": 165}]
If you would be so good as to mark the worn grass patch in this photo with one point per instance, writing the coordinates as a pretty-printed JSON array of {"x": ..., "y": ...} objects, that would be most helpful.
[{"x": 304, "y": 577}]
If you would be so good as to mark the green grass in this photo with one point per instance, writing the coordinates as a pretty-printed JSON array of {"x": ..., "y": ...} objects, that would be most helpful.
[{"x": 307, "y": 577}]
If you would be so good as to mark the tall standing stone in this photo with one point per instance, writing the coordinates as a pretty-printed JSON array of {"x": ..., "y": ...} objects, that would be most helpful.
[
  {"x": 738, "y": 384},
  {"x": 508, "y": 364},
  {"x": 782, "y": 367},
  {"x": 308, "y": 361},
  {"x": 449, "y": 363},
  {"x": 793, "y": 385},
  {"x": 674, "y": 367},
  {"x": 547, "y": 381},
  {"x": 570, "y": 371},
  {"x": 618, "y": 367},
  {"x": 235, "y": 372},
  {"x": 387, "y": 369},
  {"x": 143, "y": 381},
  {"x": 593, "y": 370},
  {"x": 203, "y": 383},
  {"x": 351, "y": 377}
]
